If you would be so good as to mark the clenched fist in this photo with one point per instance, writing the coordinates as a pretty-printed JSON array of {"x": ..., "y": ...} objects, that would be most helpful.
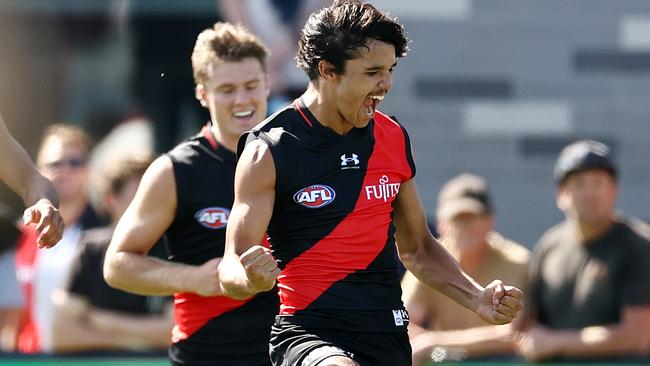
[
  {"x": 261, "y": 268},
  {"x": 499, "y": 303}
]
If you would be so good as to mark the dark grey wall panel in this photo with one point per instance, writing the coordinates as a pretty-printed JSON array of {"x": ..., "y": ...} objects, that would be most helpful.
[
  {"x": 550, "y": 147},
  {"x": 459, "y": 88},
  {"x": 611, "y": 61}
]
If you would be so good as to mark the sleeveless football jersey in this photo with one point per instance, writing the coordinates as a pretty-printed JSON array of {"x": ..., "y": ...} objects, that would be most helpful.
[
  {"x": 331, "y": 229},
  {"x": 211, "y": 328}
]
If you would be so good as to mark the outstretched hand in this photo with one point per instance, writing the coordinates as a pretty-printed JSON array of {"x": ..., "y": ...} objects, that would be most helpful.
[
  {"x": 48, "y": 221},
  {"x": 499, "y": 303},
  {"x": 261, "y": 268}
]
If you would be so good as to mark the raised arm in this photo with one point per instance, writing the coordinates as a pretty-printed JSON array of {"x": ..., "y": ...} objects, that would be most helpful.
[
  {"x": 431, "y": 264},
  {"x": 127, "y": 266},
  {"x": 37, "y": 192},
  {"x": 248, "y": 267}
]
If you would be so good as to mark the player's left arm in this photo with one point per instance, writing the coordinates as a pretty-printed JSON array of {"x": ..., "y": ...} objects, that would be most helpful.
[
  {"x": 37, "y": 192},
  {"x": 427, "y": 259}
]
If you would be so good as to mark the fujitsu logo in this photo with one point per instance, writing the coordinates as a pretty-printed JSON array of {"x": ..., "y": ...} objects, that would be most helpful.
[{"x": 383, "y": 191}]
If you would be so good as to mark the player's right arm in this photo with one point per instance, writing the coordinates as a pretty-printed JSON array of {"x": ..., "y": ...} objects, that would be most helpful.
[
  {"x": 127, "y": 266},
  {"x": 247, "y": 267}
]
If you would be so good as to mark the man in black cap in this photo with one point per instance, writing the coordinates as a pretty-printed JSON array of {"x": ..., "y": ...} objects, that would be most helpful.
[{"x": 590, "y": 289}]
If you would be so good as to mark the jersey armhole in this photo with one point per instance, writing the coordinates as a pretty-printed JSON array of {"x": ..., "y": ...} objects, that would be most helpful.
[{"x": 408, "y": 148}]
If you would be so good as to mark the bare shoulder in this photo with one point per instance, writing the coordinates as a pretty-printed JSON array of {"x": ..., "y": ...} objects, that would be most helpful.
[
  {"x": 256, "y": 152},
  {"x": 150, "y": 213},
  {"x": 158, "y": 185},
  {"x": 161, "y": 168},
  {"x": 159, "y": 173},
  {"x": 256, "y": 165}
]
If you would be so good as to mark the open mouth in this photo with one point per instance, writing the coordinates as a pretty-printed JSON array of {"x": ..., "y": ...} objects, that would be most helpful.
[{"x": 370, "y": 104}]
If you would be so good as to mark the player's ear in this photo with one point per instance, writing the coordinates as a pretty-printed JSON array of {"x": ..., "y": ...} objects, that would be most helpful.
[
  {"x": 201, "y": 94},
  {"x": 326, "y": 70}
]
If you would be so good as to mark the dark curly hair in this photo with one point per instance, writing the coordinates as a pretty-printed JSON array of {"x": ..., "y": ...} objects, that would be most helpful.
[{"x": 334, "y": 34}]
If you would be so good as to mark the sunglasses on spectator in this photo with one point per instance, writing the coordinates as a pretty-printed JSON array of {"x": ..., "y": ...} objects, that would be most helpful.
[{"x": 73, "y": 163}]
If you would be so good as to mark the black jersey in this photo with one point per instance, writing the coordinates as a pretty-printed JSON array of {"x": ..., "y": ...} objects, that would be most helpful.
[
  {"x": 211, "y": 330},
  {"x": 331, "y": 229},
  {"x": 577, "y": 285}
]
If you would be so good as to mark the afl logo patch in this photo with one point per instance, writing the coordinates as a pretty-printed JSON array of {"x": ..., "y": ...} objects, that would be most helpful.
[
  {"x": 213, "y": 217},
  {"x": 315, "y": 196}
]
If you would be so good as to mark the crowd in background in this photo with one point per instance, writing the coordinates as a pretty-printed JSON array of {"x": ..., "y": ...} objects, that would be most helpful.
[{"x": 587, "y": 280}]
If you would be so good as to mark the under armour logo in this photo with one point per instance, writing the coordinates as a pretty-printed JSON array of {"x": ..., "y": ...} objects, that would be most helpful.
[{"x": 351, "y": 159}]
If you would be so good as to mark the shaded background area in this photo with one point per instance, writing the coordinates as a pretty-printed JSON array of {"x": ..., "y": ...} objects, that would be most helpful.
[{"x": 499, "y": 87}]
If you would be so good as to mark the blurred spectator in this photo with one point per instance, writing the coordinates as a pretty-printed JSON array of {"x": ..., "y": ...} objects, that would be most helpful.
[
  {"x": 279, "y": 28},
  {"x": 466, "y": 225},
  {"x": 11, "y": 301},
  {"x": 62, "y": 158},
  {"x": 90, "y": 315},
  {"x": 590, "y": 289},
  {"x": 128, "y": 139}
]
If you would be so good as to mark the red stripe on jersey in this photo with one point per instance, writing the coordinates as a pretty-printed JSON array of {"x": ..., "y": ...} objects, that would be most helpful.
[
  {"x": 297, "y": 106},
  {"x": 192, "y": 311},
  {"x": 207, "y": 133},
  {"x": 358, "y": 239}
]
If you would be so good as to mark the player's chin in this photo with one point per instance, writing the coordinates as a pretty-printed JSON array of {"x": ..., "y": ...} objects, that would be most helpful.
[
  {"x": 246, "y": 124},
  {"x": 362, "y": 121}
]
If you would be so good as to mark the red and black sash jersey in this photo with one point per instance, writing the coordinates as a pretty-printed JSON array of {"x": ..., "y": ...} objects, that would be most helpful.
[
  {"x": 331, "y": 229},
  {"x": 218, "y": 327}
]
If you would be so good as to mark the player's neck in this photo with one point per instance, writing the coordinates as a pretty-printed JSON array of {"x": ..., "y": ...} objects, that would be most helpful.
[
  {"x": 224, "y": 139},
  {"x": 325, "y": 111}
]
